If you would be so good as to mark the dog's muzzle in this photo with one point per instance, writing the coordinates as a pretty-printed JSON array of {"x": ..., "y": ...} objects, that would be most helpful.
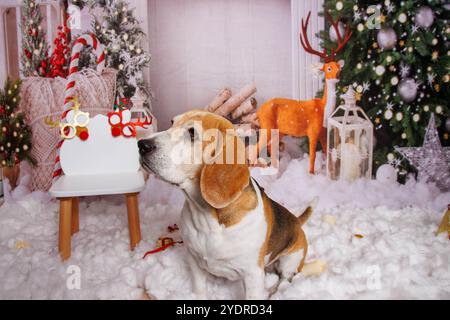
[{"x": 146, "y": 146}]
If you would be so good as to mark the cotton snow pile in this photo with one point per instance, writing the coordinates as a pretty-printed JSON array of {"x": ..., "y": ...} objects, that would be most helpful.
[{"x": 394, "y": 255}]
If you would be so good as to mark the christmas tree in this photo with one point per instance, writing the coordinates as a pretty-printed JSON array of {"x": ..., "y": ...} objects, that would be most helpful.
[
  {"x": 34, "y": 44},
  {"x": 398, "y": 62},
  {"x": 15, "y": 135},
  {"x": 119, "y": 31}
]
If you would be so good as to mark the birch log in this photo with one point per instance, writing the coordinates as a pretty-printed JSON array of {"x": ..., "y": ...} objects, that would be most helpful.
[
  {"x": 236, "y": 100},
  {"x": 247, "y": 107},
  {"x": 245, "y": 129},
  {"x": 249, "y": 118},
  {"x": 219, "y": 100}
]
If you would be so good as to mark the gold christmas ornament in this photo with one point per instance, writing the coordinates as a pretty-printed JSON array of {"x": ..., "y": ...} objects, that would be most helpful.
[{"x": 437, "y": 87}]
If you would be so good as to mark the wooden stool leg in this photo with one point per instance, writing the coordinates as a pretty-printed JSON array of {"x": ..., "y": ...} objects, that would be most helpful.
[
  {"x": 133, "y": 219},
  {"x": 75, "y": 218},
  {"x": 65, "y": 221}
]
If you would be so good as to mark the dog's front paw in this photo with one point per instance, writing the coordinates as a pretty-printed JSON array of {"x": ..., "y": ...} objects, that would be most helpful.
[
  {"x": 200, "y": 296},
  {"x": 257, "y": 295}
]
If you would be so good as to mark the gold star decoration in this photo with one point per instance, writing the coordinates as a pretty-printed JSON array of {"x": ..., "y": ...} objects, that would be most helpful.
[
  {"x": 377, "y": 120},
  {"x": 401, "y": 43},
  {"x": 445, "y": 223},
  {"x": 382, "y": 18},
  {"x": 21, "y": 245}
]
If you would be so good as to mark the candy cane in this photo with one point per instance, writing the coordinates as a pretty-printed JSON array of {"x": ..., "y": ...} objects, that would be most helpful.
[{"x": 99, "y": 50}]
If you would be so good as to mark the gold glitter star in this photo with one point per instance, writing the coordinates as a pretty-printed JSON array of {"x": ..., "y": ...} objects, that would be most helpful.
[{"x": 21, "y": 245}]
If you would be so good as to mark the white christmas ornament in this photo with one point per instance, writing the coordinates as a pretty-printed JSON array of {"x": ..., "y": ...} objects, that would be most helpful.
[
  {"x": 332, "y": 32},
  {"x": 379, "y": 70},
  {"x": 387, "y": 38},
  {"x": 394, "y": 81},
  {"x": 386, "y": 174},
  {"x": 388, "y": 114},
  {"x": 424, "y": 17},
  {"x": 407, "y": 89},
  {"x": 402, "y": 18}
]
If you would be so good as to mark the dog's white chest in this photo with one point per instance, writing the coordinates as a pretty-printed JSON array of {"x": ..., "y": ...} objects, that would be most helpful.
[{"x": 224, "y": 252}]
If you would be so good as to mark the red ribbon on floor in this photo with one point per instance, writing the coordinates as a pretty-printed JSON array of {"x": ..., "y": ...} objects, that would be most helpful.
[{"x": 162, "y": 248}]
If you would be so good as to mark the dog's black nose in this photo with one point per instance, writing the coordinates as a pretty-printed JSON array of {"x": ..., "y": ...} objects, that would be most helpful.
[{"x": 146, "y": 146}]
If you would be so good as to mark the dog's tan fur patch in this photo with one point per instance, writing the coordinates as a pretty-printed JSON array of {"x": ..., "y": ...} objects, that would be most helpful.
[{"x": 236, "y": 211}]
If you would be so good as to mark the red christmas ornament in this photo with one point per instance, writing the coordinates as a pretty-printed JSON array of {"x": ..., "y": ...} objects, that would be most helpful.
[
  {"x": 84, "y": 135},
  {"x": 115, "y": 131}
]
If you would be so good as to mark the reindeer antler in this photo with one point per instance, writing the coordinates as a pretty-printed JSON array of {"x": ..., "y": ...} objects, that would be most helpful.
[
  {"x": 148, "y": 121},
  {"x": 50, "y": 122},
  {"x": 341, "y": 42},
  {"x": 305, "y": 42}
]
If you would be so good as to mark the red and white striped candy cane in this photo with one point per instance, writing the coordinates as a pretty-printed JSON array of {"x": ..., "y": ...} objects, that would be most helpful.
[{"x": 79, "y": 44}]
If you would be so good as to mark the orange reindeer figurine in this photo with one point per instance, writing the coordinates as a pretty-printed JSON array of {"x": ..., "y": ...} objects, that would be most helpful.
[{"x": 306, "y": 118}]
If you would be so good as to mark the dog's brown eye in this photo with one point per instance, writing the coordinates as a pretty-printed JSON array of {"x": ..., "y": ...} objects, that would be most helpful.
[{"x": 192, "y": 134}]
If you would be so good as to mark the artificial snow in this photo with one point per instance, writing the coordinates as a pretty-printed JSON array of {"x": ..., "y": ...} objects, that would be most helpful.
[{"x": 396, "y": 254}]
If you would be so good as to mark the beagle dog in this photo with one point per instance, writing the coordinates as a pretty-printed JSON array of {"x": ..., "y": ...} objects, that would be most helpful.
[{"x": 230, "y": 227}]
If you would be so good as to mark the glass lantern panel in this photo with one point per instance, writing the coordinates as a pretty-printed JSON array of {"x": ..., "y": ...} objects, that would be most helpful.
[
  {"x": 364, "y": 146},
  {"x": 351, "y": 158},
  {"x": 333, "y": 157}
]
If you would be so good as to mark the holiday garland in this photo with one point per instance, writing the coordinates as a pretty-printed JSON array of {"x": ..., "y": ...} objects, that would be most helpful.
[
  {"x": 398, "y": 62},
  {"x": 15, "y": 135}
]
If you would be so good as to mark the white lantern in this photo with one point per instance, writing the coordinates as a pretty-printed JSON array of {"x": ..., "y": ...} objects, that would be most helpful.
[
  {"x": 350, "y": 141},
  {"x": 140, "y": 112}
]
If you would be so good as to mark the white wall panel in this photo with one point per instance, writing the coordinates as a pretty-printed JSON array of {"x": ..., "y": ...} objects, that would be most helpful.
[{"x": 200, "y": 46}]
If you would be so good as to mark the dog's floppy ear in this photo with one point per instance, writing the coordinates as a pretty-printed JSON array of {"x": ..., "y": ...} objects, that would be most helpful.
[
  {"x": 223, "y": 180},
  {"x": 221, "y": 184}
]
